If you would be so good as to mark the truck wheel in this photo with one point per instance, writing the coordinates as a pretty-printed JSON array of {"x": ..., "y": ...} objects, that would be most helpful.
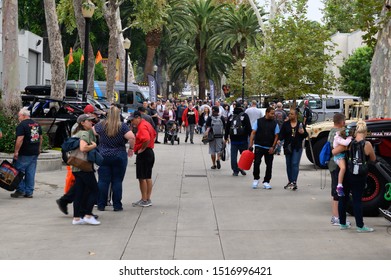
[
  {"x": 308, "y": 153},
  {"x": 317, "y": 147},
  {"x": 373, "y": 195}
]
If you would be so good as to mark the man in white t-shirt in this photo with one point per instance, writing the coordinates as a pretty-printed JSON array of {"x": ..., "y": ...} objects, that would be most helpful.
[{"x": 253, "y": 112}]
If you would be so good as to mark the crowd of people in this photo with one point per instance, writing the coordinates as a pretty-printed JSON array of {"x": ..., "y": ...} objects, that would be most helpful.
[{"x": 237, "y": 127}]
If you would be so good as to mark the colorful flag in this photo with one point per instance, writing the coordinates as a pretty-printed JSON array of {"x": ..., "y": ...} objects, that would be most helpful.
[
  {"x": 98, "y": 57},
  {"x": 70, "y": 58}
]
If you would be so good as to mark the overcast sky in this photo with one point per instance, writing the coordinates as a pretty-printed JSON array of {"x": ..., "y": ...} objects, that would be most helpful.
[{"x": 314, "y": 7}]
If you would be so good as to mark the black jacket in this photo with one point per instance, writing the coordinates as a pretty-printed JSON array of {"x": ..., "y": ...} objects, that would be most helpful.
[{"x": 292, "y": 136}]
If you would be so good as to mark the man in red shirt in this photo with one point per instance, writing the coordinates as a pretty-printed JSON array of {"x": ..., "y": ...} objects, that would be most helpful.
[{"x": 143, "y": 148}]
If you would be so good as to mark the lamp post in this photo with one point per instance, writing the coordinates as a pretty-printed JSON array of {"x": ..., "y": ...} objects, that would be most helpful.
[
  {"x": 244, "y": 64},
  {"x": 87, "y": 9},
  {"x": 126, "y": 44},
  {"x": 155, "y": 76}
]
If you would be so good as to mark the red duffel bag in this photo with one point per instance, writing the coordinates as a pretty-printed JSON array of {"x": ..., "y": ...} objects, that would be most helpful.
[{"x": 246, "y": 160}]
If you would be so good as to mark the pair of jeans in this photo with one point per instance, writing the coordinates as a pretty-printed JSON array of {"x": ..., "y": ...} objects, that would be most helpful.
[
  {"x": 259, "y": 153},
  {"x": 112, "y": 171},
  {"x": 235, "y": 148},
  {"x": 190, "y": 130},
  {"x": 86, "y": 193},
  {"x": 292, "y": 164},
  {"x": 355, "y": 185},
  {"x": 28, "y": 165}
]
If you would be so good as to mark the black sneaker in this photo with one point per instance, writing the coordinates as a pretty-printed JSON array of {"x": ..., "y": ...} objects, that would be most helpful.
[
  {"x": 28, "y": 196},
  {"x": 17, "y": 194},
  {"x": 218, "y": 164},
  {"x": 294, "y": 187},
  {"x": 242, "y": 172},
  {"x": 63, "y": 206},
  {"x": 186, "y": 139}
]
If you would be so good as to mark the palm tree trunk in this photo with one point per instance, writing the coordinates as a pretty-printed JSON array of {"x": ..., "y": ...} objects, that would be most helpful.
[
  {"x": 56, "y": 51},
  {"x": 110, "y": 14},
  {"x": 380, "y": 95},
  {"x": 202, "y": 74},
  {"x": 11, "y": 100},
  {"x": 149, "y": 62}
]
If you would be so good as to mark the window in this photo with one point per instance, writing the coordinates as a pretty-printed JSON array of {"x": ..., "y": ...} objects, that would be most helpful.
[
  {"x": 315, "y": 104},
  {"x": 332, "y": 104},
  {"x": 139, "y": 97}
]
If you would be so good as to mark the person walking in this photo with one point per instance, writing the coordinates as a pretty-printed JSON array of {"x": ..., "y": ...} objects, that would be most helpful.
[
  {"x": 292, "y": 133},
  {"x": 180, "y": 108},
  {"x": 237, "y": 131},
  {"x": 113, "y": 136},
  {"x": 215, "y": 124},
  {"x": 143, "y": 148},
  {"x": 253, "y": 112},
  {"x": 355, "y": 177},
  {"x": 264, "y": 137},
  {"x": 28, "y": 146},
  {"x": 86, "y": 185},
  {"x": 280, "y": 117},
  {"x": 190, "y": 120},
  {"x": 307, "y": 114},
  {"x": 203, "y": 119}
]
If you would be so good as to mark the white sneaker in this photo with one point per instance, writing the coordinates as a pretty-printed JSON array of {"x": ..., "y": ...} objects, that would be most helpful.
[
  {"x": 267, "y": 186},
  {"x": 91, "y": 220},
  {"x": 255, "y": 184},
  {"x": 78, "y": 222}
]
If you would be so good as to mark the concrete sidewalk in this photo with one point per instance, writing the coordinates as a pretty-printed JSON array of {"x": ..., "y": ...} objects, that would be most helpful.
[{"x": 197, "y": 213}]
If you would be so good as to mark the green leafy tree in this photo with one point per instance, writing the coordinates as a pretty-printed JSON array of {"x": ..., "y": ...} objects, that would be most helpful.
[
  {"x": 294, "y": 60},
  {"x": 355, "y": 73}
]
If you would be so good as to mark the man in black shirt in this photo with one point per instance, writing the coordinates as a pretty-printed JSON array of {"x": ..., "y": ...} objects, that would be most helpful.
[{"x": 27, "y": 149}]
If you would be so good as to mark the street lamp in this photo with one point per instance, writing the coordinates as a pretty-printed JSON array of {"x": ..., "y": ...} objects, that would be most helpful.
[
  {"x": 244, "y": 64},
  {"x": 126, "y": 44},
  {"x": 87, "y": 9}
]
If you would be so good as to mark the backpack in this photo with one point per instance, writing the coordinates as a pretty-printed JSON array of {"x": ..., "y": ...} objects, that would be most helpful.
[
  {"x": 217, "y": 127},
  {"x": 356, "y": 158},
  {"x": 309, "y": 118},
  {"x": 325, "y": 154},
  {"x": 236, "y": 128}
]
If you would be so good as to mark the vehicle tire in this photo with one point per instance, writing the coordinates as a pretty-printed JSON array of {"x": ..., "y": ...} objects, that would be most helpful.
[
  {"x": 172, "y": 140},
  {"x": 178, "y": 140},
  {"x": 317, "y": 148},
  {"x": 308, "y": 152},
  {"x": 373, "y": 194},
  {"x": 165, "y": 139}
]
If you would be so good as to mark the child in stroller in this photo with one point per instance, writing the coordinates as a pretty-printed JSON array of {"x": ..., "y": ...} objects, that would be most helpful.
[{"x": 171, "y": 132}]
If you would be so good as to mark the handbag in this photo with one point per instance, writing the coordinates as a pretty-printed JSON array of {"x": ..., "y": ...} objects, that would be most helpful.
[
  {"x": 10, "y": 177},
  {"x": 205, "y": 139},
  {"x": 288, "y": 149},
  {"x": 78, "y": 159}
]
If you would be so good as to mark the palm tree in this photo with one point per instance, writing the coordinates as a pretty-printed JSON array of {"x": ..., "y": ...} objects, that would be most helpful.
[
  {"x": 192, "y": 25},
  {"x": 238, "y": 29}
]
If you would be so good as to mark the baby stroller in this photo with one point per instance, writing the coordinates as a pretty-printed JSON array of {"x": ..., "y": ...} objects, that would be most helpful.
[{"x": 171, "y": 132}]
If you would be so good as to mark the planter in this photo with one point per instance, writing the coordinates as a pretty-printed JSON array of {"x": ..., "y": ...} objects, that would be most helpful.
[{"x": 49, "y": 160}]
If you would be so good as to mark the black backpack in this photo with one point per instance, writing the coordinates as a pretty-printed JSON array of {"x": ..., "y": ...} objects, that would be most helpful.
[
  {"x": 356, "y": 158},
  {"x": 237, "y": 128}
]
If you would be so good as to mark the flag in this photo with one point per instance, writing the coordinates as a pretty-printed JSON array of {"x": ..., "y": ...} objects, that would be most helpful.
[
  {"x": 81, "y": 58},
  {"x": 70, "y": 58},
  {"x": 98, "y": 57},
  {"x": 152, "y": 88}
]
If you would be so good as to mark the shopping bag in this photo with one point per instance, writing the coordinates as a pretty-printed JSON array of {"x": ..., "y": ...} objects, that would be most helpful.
[
  {"x": 10, "y": 177},
  {"x": 227, "y": 151}
]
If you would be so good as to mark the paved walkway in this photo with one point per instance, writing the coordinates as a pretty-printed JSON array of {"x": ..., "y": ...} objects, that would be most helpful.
[{"x": 197, "y": 213}]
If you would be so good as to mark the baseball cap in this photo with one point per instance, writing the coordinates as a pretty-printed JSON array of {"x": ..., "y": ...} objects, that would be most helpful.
[
  {"x": 136, "y": 114},
  {"x": 84, "y": 117},
  {"x": 89, "y": 109}
]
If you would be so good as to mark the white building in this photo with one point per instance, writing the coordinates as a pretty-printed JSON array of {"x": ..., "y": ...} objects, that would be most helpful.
[
  {"x": 32, "y": 68},
  {"x": 346, "y": 44}
]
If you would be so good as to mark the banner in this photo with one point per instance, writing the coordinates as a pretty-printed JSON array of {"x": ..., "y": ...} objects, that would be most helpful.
[
  {"x": 212, "y": 91},
  {"x": 152, "y": 88}
]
